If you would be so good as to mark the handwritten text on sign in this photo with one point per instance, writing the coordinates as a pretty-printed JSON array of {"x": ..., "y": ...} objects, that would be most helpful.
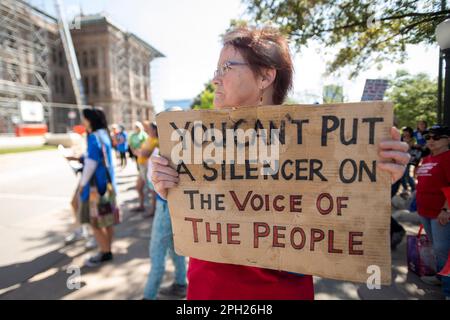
[{"x": 293, "y": 188}]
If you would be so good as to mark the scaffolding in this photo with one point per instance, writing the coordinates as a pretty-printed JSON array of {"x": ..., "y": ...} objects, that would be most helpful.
[
  {"x": 24, "y": 59},
  {"x": 31, "y": 69}
]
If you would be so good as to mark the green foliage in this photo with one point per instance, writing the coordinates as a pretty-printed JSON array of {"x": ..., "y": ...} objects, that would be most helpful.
[
  {"x": 414, "y": 98},
  {"x": 365, "y": 32},
  {"x": 205, "y": 99},
  {"x": 333, "y": 94}
]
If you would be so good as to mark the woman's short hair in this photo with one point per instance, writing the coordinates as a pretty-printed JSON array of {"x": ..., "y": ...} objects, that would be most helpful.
[{"x": 263, "y": 48}]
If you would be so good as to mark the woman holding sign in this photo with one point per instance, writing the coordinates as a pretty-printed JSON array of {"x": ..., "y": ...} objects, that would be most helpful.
[{"x": 255, "y": 68}]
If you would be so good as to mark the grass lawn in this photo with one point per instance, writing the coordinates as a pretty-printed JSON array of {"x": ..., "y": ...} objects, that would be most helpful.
[{"x": 26, "y": 149}]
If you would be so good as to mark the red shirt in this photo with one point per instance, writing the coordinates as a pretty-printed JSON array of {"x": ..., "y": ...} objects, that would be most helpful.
[
  {"x": 220, "y": 281},
  {"x": 433, "y": 175}
]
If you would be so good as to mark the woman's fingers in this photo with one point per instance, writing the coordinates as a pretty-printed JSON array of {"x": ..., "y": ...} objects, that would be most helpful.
[
  {"x": 443, "y": 218},
  {"x": 162, "y": 188},
  {"x": 395, "y": 134},
  {"x": 394, "y": 155},
  {"x": 156, "y": 167},
  {"x": 398, "y": 156},
  {"x": 393, "y": 145},
  {"x": 159, "y": 160},
  {"x": 161, "y": 176},
  {"x": 396, "y": 170}
]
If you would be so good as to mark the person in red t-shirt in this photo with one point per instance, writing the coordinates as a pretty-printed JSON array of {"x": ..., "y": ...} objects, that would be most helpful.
[
  {"x": 433, "y": 183},
  {"x": 255, "y": 68}
]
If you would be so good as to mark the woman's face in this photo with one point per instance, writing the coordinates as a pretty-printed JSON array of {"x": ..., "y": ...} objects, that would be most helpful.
[
  {"x": 152, "y": 132},
  {"x": 421, "y": 125},
  {"x": 407, "y": 136},
  {"x": 439, "y": 144},
  {"x": 238, "y": 86},
  {"x": 86, "y": 124}
]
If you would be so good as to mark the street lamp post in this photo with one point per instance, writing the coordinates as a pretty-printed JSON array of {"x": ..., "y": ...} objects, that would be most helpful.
[{"x": 443, "y": 39}]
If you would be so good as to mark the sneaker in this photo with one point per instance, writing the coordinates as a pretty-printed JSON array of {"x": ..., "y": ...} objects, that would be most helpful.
[
  {"x": 91, "y": 243},
  {"x": 174, "y": 290},
  {"x": 98, "y": 259},
  {"x": 431, "y": 280},
  {"x": 73, "y": 237}
]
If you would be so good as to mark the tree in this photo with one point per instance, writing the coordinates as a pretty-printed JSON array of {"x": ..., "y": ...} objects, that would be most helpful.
[
  {"x": 205, "y": 98},
  {"x": 333, "y": 94},
  {"x": 414, "y": 98},
  {"x": 365, "y": 32}
]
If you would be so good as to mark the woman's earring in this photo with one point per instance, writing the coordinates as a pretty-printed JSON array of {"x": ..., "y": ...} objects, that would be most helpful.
[{"x": 261, "y": 99}]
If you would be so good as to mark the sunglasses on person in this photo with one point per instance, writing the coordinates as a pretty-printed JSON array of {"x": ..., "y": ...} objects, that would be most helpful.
[{"x": 435, "y": 137}]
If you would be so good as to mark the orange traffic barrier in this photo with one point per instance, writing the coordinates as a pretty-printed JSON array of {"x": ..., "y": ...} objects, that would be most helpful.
[{"x": 29, "y": 130}]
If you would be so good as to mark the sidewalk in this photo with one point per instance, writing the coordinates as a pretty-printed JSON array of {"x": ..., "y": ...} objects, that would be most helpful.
[
  {"x": 405, "y": 285},
  {"x": 46, "y": 276}
]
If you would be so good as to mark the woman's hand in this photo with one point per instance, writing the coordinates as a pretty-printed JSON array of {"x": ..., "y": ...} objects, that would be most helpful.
[
  {"x": 444, "y": 217},
  {"x": 163, "y": 176},
  {"x": 393, "y": 155}
]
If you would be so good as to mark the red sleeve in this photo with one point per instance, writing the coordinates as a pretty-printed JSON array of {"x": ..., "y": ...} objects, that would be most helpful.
[{"x": 447, "y": 167}]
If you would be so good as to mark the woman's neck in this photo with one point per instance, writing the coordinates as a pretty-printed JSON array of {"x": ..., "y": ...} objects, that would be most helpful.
[{"x": 439, "y": 151}]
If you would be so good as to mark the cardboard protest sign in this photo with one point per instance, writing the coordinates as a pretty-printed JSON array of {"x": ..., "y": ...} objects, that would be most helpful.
[{"x": 293, "y": 188}]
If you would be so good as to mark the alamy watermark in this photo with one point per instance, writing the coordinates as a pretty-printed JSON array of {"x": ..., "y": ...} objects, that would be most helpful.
[
  {"x": 231, "y": 146},
  {"x": 74, "y": 280},
  {"x": 374, "y": 280}
]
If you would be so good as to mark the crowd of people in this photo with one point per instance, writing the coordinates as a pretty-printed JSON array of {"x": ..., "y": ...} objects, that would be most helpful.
[
  {"x": 426, "y": 182},
  {"x": 94, "y": 202},
  {"x": 254, "y": 68}
]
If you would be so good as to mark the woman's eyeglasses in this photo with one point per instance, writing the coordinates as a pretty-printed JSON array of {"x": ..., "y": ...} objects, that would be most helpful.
[
  {"x": 222, "y": 70},
  {"x": 434, "y": 137}
]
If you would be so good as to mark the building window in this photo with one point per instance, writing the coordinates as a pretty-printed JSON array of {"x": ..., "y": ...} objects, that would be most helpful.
[
  {"x": 2, "y": 39},
  {"x": 15, "y": 73},
  {"x": 136, "y": 67},
  {"x": 62, "y": 83},
  {"x": 85, "y": 59},
  {"x": 11, "y": 40},
  {"x": 56, "y": 83},
  {"x": 54, "y": 56},
  {"x": 61, "y": 58},
  {"x": 86, "y": 85},
  {"x": 146, "y": 92},
  {"x": 93, "y": 58},
  {"x": 95, "y": 85},
  {"x": 145, "y": 70},
  {"x": 137, "y": 90}
]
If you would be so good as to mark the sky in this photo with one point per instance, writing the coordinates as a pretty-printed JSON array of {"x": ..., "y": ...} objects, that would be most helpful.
[{"x": 188, "y": 33}]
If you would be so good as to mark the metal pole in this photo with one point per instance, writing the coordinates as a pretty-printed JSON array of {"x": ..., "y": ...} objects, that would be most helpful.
[
  {"x": 440, "y": 76},
  {"x": 440, "y": 93},
  {"x": 446, "y": 119},
  {"x": 71, "y": 57}
]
